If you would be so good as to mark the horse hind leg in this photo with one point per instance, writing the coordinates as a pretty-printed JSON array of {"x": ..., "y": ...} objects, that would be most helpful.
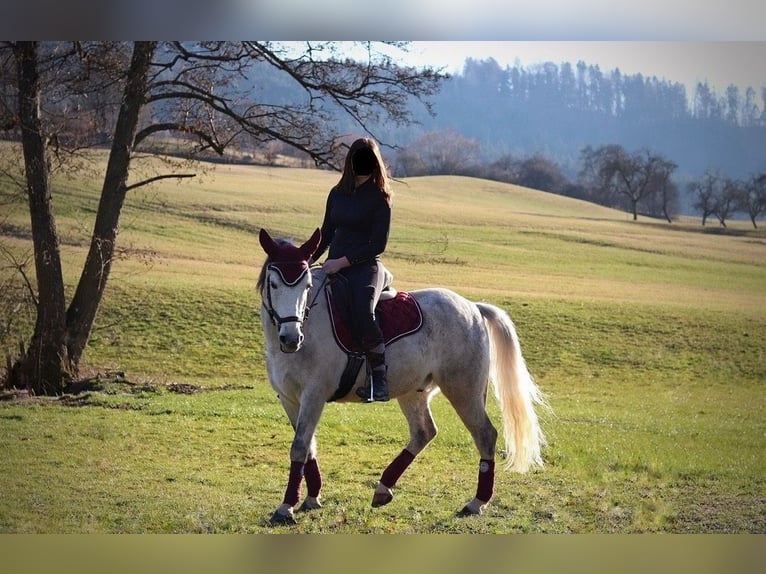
[
  {"x": 417, "y": 411},
  {"x": 471, "y": 410}
]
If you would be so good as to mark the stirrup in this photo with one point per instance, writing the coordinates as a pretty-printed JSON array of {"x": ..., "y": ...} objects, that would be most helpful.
[
  {"x": 370, "y": 394},
  {"x": 374, "y": 393}
]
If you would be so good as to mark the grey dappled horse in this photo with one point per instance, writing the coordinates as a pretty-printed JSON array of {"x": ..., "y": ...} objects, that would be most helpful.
[{"x": 461, "y": 346}]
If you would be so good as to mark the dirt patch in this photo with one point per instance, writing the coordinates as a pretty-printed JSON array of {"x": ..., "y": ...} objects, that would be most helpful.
[
  {"x": 110, "y": 382},
  {"x": 183, "y": 388}
]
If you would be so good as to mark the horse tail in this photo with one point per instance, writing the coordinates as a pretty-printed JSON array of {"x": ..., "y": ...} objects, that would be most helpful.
[{"x": 515, "y": 390}]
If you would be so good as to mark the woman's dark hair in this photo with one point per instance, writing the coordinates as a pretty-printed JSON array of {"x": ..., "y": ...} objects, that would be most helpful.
[{"x": 363, "y": 158}]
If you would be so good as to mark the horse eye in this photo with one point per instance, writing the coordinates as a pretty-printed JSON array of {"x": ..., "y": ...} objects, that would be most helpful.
[{"x": 274, "y": 285}]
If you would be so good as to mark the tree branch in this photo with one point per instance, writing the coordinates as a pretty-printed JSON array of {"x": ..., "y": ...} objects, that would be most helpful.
[
  {"x": 19, "y": 267},
  {"x": 217, "y": 146},
  {"x": 159, "y": 177}
]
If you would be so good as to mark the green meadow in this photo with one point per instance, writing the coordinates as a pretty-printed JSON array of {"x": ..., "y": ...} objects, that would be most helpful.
[{"x": 647, "y": 338}]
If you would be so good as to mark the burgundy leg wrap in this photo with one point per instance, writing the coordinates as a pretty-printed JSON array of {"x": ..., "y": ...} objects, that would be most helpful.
[
  {"x": 396, "y": 468},
  {"x": 313, "y": 477},
  {"x": 293, "y": 490},
  {"x": 486, "y": 480}
]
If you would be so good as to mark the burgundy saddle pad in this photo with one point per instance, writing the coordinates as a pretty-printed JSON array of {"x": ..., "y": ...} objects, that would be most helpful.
[{"x": 398, "y": 317}]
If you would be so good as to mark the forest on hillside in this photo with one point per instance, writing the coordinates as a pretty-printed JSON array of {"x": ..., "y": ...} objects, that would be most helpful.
[
  {"x": 558, "y": 109},
  {"x": 496, "y": 122}
]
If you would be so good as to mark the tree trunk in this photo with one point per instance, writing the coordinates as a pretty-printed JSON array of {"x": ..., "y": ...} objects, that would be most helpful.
[
  {"x": 98, "y": 264},
  {"x": 61, "y": 334},
  {"x": 44, "y": 367}
]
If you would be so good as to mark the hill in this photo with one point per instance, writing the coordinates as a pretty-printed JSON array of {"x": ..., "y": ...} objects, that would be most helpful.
[{"x": 469, "y": 234}]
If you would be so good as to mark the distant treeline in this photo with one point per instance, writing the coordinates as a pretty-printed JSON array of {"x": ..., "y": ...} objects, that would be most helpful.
[
  {"x": 557, "y": 110},
  {"x": 549, "y": 113}
]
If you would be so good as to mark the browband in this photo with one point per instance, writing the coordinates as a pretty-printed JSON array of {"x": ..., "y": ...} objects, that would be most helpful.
[{"x": 290, "y": 271}]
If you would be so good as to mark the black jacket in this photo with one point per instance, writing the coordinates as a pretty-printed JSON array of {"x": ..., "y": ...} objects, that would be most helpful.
[{"x": 355, "y": 225}]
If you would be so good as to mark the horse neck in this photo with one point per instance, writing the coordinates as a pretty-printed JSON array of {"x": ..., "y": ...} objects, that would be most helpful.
[
  {"x": 318, "y": 278},
  {"x": 318, "y": 284}
]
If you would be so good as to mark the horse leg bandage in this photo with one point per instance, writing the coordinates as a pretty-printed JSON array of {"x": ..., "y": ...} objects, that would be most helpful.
[
  {"x": 396, "y": 468},
  {"x": 486, "y": 484},
  {"x": 293, "y": 490},
  {"x": 313, "y": 477}
]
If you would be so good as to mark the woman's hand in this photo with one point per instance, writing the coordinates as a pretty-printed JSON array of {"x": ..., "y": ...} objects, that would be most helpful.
[{"x": 332, "y": 266}]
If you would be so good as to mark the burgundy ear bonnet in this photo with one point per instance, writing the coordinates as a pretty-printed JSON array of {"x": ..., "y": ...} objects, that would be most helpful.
[{"x": 289, "y": 260}]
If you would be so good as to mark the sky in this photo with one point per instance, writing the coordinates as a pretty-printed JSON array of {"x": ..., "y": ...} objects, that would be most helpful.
[
  {"x": 721, "y": 41},
  {"x": 719, "y": 63},
  {"x": 460, "y": 20}
]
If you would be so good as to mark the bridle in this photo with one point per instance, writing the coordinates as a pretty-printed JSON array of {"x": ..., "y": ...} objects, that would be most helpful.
[{"x": 276, "y": 318}]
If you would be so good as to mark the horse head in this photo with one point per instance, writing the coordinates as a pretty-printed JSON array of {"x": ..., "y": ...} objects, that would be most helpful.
[{"x": 285, "y": 284}]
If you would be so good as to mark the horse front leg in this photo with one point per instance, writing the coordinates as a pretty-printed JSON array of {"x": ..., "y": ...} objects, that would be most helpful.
[
  {"x": 313, "y": 478},
  {"x": 303, "y": 463},
  {"x": 422, "y": 428}
]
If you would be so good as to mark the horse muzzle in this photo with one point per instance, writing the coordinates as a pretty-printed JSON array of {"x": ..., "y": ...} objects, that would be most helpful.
[{"x": 290, "y": 340}]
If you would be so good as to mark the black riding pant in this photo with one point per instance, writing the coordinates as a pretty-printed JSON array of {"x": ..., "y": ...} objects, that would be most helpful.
[{"x": 365, "y": 282}]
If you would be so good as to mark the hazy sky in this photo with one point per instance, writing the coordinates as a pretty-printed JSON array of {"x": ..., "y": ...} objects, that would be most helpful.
[
  {"x": 719, "y": 63},
  {"x": 722, "y": 41}
]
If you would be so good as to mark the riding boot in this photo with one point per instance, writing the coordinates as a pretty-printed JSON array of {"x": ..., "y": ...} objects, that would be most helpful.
[{"x": 377, "y": 387}]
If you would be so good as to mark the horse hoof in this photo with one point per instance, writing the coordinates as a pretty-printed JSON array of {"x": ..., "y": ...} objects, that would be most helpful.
[
  {"x": 310, "y": 505},
  {"x": 467, "y": 511},
  {"x": 279, "y": 518},
  {"x": 381, "y": 499}
]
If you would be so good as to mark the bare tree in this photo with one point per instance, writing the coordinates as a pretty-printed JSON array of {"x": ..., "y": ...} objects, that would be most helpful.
[
  {"x": 539, "y": 172},
  {"x": 753, "y": 198},
  {"x": 633, "y": 177},
  {"x": 664, "y": 196},
  {"x": 443, "y": 152},
  {"x": 200, "y": 91},
  {"x": 727, "y": 199},
  {"x": 706, "y": 189}
]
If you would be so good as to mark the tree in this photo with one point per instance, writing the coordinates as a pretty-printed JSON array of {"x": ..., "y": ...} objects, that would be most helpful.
[
  {"x": 706, "y": 190},
  {"x": 706, "y": 106},
  {"x": 753, "y": 198},
  {"x": 539, "y": 172},
  {"x": 198, "y": 91},
  {"x": 665, "y": 197},
  {"x": 48, "y": 339},
  {"x": 591, "y": 177},
  {"x": 732, "y": 104},
  {"x": 437, "y": 153},
  {"x": 633, "y": 177},
  {"x": 750, "y": 111},
  {"x": 727, "y": 199}
]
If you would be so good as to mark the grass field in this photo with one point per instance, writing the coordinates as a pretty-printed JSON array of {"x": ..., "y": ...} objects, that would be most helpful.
[{"x": 647, "y": 338}]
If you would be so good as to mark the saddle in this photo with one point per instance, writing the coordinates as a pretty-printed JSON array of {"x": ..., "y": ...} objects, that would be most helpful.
[{"x": 397, "y": 313}]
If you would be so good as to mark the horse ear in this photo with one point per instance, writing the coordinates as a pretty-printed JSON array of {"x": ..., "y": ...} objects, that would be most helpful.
[
  {"x": 308, "y": 248},
  {"x": 267, "y": 242}
]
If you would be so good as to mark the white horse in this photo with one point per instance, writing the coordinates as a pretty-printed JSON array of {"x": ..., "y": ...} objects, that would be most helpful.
[{"x": 461, "y": 346}]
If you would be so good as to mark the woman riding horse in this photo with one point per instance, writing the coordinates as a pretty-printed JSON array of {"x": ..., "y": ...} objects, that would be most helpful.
[{"x": 355, "y": 228}]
